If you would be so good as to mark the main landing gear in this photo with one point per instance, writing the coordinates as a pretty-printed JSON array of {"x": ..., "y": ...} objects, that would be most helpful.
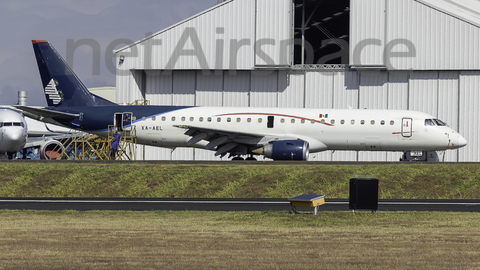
[{"x": 250, "y": 158}]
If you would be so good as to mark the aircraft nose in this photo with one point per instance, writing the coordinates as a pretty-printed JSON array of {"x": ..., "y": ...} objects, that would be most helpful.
[
  {"x": 458, "y": 141},
  {"x": 461, "y": 141},
  {"x": 14, "y": 140}
]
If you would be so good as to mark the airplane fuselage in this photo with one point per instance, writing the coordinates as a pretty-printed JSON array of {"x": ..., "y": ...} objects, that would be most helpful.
[{"x": 323, "y": 129}]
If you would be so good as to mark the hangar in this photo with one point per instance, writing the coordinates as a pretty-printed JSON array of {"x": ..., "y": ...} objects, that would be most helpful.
[{"x": 376, "y": 54}]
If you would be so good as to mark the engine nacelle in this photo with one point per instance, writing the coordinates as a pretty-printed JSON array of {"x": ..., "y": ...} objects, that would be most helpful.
[
  {"x": 287, "y": 150},
  {"x": 51, "y": 149}
]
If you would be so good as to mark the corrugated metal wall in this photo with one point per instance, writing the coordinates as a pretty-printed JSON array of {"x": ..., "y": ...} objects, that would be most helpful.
[
  {"x": 367, "y": 32},
  {"x": 425, "y": 37},
  {"x": 271, "y": 29},
  {"x": 469, "y": 114},
  {"x": 234, "y": 35}
]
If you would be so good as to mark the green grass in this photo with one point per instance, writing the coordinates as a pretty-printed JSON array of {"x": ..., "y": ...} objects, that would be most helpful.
[
  {"x": 238, "y": 240},
  {"x": 233, "y": 180}
]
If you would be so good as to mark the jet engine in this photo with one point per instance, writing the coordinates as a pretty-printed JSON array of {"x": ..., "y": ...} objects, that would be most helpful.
[
  {"x": 51, "y": 149},
  {"x": 285, "y": 150}
]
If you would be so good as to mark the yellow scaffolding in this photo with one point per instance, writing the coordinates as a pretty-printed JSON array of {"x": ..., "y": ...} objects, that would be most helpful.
[{"x": 84, "y": 146}]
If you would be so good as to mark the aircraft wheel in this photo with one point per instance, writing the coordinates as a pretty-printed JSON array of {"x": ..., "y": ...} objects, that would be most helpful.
[
  {"x": 237, "y": 158},
  {"x": 251, "y": 159}
]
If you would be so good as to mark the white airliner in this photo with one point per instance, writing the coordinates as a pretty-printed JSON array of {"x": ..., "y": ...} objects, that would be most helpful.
[
  {"x": 13, "y": 132},
  {"x": 19, "y": 133},
  {"x": 277, "y": 133}
]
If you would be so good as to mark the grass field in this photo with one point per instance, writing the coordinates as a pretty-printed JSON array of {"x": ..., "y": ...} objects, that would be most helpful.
[
  {"x": 236, "y": 240},
  {"x": 240, "y": 240},
  {"x": 234, "y": 180}
]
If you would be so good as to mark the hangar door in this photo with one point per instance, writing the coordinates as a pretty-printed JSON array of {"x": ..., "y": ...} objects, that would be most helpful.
[{"x": 273, "y": 33}]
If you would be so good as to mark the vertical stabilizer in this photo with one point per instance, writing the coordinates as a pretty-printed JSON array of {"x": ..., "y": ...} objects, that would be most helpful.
[{"x": 62, "y": 87}]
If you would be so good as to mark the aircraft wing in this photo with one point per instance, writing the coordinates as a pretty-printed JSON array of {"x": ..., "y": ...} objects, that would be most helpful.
[
  {"x": 42, "y": 113},
  {"x": 227, "y": 140},
  {"x": 192, "y": 131}
]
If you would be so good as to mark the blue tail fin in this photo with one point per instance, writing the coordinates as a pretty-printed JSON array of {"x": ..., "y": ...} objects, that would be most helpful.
[{"x": 62, "y": 87}]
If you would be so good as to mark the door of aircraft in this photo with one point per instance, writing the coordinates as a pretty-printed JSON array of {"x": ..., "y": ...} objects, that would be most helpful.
[
  {"x": 407, "y": 127},
  {"x": 123, "y": 121}
]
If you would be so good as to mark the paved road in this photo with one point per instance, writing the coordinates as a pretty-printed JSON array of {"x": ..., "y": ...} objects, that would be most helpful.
[{"x": 175, "y": 204}]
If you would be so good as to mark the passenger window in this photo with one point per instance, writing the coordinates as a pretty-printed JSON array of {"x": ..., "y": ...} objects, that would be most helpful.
[
  {"x": 332, "y": 122},
  {"x": 352, "y": 122},
  {"x": 209, "y": 119},
  {"x": 219, "y": 119},
  {"x": 382, "y": 122},
  {"x": 154, "y": 118},
  {"x": 323, "y": 121},
  {"x": 192, "y": 119},
  {"x": 342, "y": 122},
  {"x": 238, "y": 120},
  {"x": 200, "y": 119},
  {"x": 259, "y": 120},
  {"x": 229, "y": 119},
  {"x": 293, "y": 121},
  {"x": 282, "y": 120},
  {"x": 362, "y": 122},
  {"x": 249, "y": 120},
  {"x": 303, "y": 121},
  {"x": 183, "y": 118},
  {"x": 392, "y": 123},
  {"x": 164, "y": 118},
  {"x": 144, "y": 118},
  {"x": 372, "y": 122}
]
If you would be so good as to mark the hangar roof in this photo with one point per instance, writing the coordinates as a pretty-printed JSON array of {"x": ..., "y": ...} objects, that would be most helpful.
[{"x": 466, "y": 10}]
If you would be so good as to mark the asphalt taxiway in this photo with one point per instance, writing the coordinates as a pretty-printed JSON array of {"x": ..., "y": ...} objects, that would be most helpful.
[{"x": 178, "y": 204}]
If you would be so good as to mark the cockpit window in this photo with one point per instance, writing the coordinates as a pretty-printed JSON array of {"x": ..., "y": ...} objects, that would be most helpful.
[
  {"x": 434, "y": 122},
  {"x": 11, "y": 124},
  {"x": 429, "y": 122},
  {"x": 439, "y": 122}
]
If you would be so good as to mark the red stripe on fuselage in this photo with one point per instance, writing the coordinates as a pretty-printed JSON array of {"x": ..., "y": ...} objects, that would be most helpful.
[{"x": 273, "y": 114}]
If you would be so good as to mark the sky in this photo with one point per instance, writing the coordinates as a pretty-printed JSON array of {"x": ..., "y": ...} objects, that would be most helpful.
[{"x": 63, "y": 22}]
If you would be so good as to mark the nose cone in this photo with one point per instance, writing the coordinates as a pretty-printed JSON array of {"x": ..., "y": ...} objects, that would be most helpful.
[
  {"x": 12, "y": 141},
  {"x": 461, "y": 141},
  {"x": 457, "y": 141}
]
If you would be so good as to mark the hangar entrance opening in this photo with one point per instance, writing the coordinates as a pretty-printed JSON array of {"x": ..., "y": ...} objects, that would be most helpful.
[{"x": 321, "y": 32}]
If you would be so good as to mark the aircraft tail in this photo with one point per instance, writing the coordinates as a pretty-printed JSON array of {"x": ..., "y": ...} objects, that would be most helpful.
[{"x": 62, "y": 87}]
